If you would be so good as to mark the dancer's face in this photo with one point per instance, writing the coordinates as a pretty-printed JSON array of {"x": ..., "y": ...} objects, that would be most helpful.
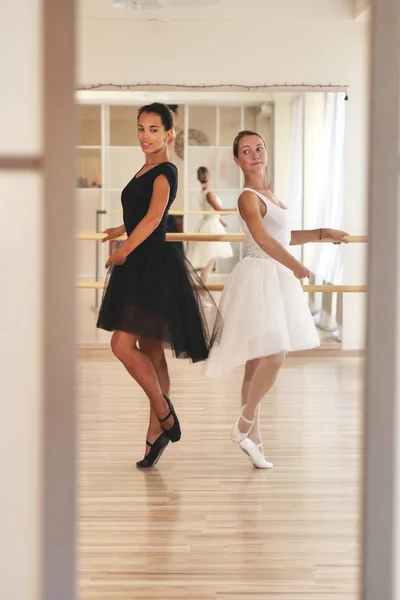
[
  {"x": 152, "y": 134},
  {"x": 252, "y": 155}
]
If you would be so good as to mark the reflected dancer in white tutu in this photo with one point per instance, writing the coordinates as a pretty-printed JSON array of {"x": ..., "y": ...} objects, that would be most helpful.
[
  {"x": 263, "y": 306},
  {"x": 203, "y": 255}
]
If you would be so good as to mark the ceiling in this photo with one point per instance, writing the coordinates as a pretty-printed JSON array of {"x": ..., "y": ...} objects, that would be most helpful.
[{"x": 249, "y": 11}]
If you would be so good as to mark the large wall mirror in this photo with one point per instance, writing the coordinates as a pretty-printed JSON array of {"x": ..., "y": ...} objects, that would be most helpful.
[{"x": 305, "y": 135}]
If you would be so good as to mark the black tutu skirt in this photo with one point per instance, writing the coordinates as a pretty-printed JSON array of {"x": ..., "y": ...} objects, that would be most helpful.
[{"x": 157, "y": 294}]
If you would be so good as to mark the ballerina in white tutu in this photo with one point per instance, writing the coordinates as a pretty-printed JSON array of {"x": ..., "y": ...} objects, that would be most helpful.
[
  {"x": 200, "y": 254},
  {"x": 263, "y": 306}
]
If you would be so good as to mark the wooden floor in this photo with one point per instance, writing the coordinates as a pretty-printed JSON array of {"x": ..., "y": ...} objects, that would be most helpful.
[{"x": 206, "y": 525}]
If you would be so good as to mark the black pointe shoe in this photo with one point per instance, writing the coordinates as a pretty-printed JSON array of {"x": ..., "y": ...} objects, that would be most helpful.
[
  {"x": 156, "y": 450},
  {"x": 174, "y": 433}
]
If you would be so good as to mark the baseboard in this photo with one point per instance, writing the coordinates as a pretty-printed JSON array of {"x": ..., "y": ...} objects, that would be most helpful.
[
  {"x": 93, "y": 345},
  {"x": 328, "y": 353},
  {"x": 321, "y": 352}
]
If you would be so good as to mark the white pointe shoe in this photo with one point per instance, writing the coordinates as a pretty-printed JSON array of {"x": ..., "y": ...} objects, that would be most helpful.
[
  {"x": 254, "y": 453},
  {"x": 237, "y": 435}
]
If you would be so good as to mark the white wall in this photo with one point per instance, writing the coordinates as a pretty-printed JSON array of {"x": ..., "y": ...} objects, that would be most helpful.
[
  {"x": 128, "y": 52},
  {"x": 21, "y": 297},
  {"x": 196, "y": 53}
]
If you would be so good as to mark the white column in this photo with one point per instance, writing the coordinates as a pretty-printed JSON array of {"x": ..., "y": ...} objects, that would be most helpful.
[
  {"x": 37, "y": 428},
  {"x": 381, "y": 565}
]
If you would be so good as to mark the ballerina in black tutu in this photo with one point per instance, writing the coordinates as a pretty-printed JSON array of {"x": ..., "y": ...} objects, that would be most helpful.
[{"x": 151, "y": 300}]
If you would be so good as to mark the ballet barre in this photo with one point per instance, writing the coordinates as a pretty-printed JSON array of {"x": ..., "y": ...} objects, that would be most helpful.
[
  {"x": 211, "y": 237},
  {"x": 217, "y": 287},
  {"x": 197, "y": 237}
]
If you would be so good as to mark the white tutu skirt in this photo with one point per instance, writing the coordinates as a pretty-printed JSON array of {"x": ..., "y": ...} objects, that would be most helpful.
[
  {"x": 199, "y": 254},
  {"x": 265, "y": 312}
]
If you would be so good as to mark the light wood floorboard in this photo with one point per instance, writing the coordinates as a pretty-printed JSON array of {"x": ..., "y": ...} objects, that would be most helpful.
[{"x": 204, "y": 524}]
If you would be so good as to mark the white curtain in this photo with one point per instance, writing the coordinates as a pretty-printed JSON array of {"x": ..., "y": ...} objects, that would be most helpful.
[
  {"x": 327, "y": 261},
  {"x": 295, "y": 199}
]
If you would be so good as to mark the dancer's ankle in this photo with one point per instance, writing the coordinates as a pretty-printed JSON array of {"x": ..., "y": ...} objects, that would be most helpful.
[{"x": 256, "y": 438}]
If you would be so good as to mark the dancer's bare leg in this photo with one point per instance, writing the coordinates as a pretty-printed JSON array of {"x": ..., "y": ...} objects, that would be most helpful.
[
  {"x": 205, "y": 272},
  {"x": 140, "y": 367},
  {"x": 250, "y": 368},
  {"x": 255, "y": 387},
  {"x": 154, "y": 350}
]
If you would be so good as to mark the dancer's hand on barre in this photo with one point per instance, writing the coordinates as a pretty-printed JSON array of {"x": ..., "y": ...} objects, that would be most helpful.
[
  {"x": 335, "y": 234},
  {"x": 113, "y": 233},
  {"x": 117, "y": 258},
  {"x": 300, "y": 271}
]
